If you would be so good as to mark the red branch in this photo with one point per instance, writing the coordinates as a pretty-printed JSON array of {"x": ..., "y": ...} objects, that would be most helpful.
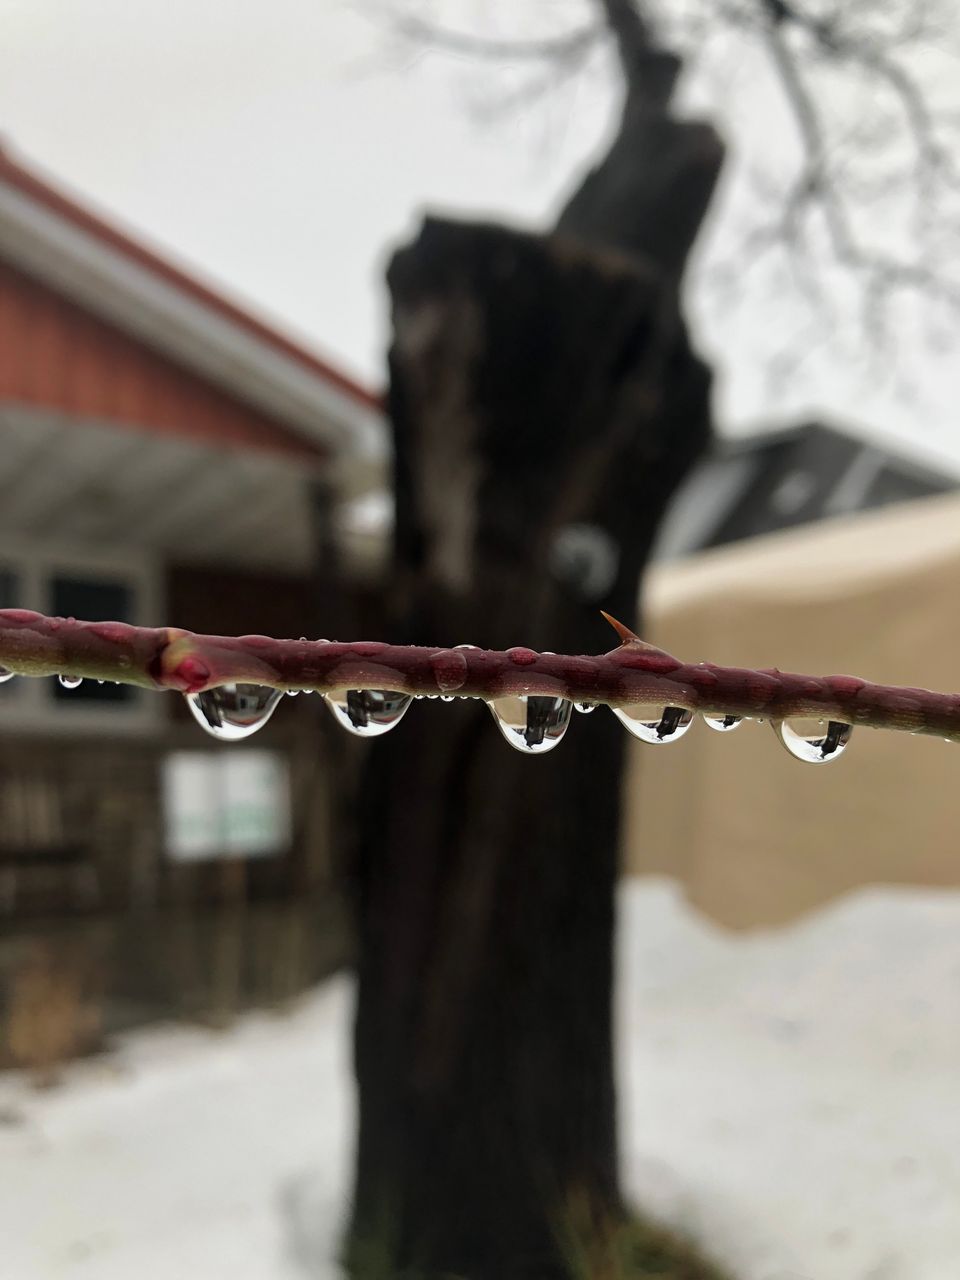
[{"x": 633, "y": 673}]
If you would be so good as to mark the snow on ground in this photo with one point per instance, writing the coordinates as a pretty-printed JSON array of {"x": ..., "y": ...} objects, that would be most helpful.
[
  {"x": 789, "y": 1097},
  {"x": 189, "y": 1155}
]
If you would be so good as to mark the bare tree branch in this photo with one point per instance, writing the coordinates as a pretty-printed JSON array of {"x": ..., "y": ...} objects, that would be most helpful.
[
  {"x": 863, "y": 174},
  {"x": 816, "y": 184},
  {"x": 547, "y": 48},
  {"x": 632, "y": 32},
  {"x": 933, "y": 158}
]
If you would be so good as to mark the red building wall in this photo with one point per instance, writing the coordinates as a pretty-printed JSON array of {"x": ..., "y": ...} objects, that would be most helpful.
[{"x": 55, "y": 355}]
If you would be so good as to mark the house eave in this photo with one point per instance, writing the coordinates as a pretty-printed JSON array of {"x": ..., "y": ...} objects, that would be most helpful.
[{"x": 111, "y": 285}]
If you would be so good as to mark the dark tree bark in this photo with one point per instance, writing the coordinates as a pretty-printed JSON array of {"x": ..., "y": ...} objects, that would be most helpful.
[{"x": 545, "y": 405}]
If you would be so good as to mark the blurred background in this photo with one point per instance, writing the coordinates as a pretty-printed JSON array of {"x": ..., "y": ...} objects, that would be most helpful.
[{"x": 199, "y": 205}]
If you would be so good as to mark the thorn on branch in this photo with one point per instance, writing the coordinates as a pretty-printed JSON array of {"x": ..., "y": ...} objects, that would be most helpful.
[{"x": 626, "y": 635}]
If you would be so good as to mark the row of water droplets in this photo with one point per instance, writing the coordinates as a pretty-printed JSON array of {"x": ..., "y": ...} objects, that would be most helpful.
[
  {"x": 812, "y": 741},
  {"x": 68, "y": 682},
  {"x": 532, "y": 723}
]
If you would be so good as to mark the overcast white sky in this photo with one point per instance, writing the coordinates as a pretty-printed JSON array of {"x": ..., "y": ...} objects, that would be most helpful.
[{"x": 282, "y": 148}]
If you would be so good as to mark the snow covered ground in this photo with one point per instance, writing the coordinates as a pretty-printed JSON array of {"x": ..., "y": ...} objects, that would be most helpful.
[{"x": 792, "y": 1098}]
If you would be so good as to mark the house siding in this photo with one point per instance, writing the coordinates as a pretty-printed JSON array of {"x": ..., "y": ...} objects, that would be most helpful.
[
  {"x": 101, "y": 929},
  {"x": 56, "y": 355}
]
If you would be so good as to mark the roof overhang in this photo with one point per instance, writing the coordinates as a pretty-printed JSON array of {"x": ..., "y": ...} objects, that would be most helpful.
[
  {"x": 96, "y": 485},
  {"x": 111, "y": 284}
]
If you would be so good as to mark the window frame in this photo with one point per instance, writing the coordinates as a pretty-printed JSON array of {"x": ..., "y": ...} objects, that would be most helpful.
[{"x": 28, "y": 704}]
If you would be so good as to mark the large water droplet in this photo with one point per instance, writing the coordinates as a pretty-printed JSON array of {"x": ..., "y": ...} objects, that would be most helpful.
[
  {"x": 812, "y": 741},
  {"x": 70, "y": 682},
  {"x": 234, "y": 711},
  {"x": 531, "y": 722},
  {"x": 368, "y": 712},
  {"x": 723, "y": 724},
  {"x": 6, "y": 675},
  {"x": 584, "y": 707},
  {"x": 655, "y": 724}
]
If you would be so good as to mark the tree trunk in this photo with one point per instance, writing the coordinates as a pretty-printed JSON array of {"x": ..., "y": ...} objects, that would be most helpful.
[{"x": 545, "y": 405}]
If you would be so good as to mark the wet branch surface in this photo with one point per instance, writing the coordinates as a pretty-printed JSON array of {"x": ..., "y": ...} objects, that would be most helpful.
[{"x": 632, "y": 673}]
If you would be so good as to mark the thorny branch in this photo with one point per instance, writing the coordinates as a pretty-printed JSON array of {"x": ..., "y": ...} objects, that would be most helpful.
[{"x": 633, "y": 673}]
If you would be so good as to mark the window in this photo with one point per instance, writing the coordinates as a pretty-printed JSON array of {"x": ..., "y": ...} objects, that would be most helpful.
[
  {"x": 8, "y": 589},
  {"x": 794, "y": 491},
  {"x": 97, "y": 587},
  {"x": 95, "y": 600},
  {"x": 234, "y": 804}
]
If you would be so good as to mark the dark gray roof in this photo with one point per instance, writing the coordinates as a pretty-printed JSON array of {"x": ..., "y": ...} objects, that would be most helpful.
[{"x": 791, "y": 477}]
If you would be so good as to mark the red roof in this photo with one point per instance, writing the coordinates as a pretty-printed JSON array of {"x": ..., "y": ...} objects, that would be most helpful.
[{"x": 15, "y": 175}]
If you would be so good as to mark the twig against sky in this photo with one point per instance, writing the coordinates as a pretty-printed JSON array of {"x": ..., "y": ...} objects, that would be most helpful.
[
  {"x": 410, "y": 26},
  {"x": 818, "y": 186}
]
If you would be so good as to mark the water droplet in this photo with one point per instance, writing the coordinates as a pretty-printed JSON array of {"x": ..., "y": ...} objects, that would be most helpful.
[
  {"x": 655, "y": 724},
  {"x": 70, "y": 682},
  {"x": 466, "y": 646},
  {"x": 6, "y": 675},
  {"x": 368, "y": 712},
  {"x": 531, "y": 722},
  {"x": 808, "y": 740},
  {"x": 521, "y": 656},
  {"x": 292, "y": 693},
  {"x": 449, "y": 668},
  {"x": 446, "y": 697},
  {"x": 584, "y": 707},
  {"x": 723, "y": 724},
  {"x": 230, "y": 712}
]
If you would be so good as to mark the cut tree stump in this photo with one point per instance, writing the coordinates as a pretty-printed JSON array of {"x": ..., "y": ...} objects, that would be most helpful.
[{"x": 545, "y": 405}]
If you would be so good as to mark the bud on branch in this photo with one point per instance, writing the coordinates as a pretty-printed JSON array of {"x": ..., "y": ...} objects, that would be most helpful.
[{"x": 631, "y": 674}]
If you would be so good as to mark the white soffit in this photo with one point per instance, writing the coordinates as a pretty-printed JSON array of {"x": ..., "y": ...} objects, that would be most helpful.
[{"x": 99, "y": 486}]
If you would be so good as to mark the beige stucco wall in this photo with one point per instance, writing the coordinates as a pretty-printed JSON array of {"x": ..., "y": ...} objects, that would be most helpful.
[{"x": 755, "y": 836}]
